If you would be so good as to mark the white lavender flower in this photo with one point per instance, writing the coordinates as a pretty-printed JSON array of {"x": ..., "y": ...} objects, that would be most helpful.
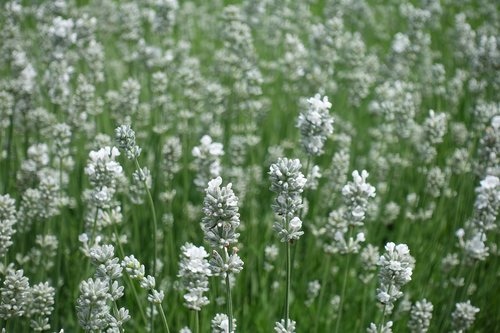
[
  {"x": 7, "y": 221},
  {"x": 288, "y": 182},
  {"x": 279, "y": 327},
  {"x": 14, "y": 294},
  {"x": 396, "y": 267},
  {"x": 384, "y": 328},
  {"x": 207, "y": 160},
  {"x": 474, "y": 247},
  {"x": 40, "y": 306},
  {"x": 221, "y": 218},
  {"x": 194, "y": 270},
  {"x": 369, "y": 258},
  {"x": 420, "y": 316},
  {"x": 125, "y": 139},
  {"x": 220, "y": 324},
  {"x": 463, "y": 316},
  {"x": 93, "y": 309},
  {"x": 487, "y": 204},
  {"x": 102, "y": 169},
  {"x": 315, "y": 124},
  {"x": 136, "y": 271},
  {"x": 313, "y": 288},
  {"x": 356, "y": 195},
  {"x": 171, "y": 152}
]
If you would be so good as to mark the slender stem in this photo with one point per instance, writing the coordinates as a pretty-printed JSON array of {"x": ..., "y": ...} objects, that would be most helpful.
[
  {"x": 469, "y": 279},
  {"x": 163, "y": 318},
  {"x": 129, "y": 280},
  {"x": 452, "y": 298},
  {"x": 197, "y": 321},
  {"x": 115, "y": 309},
  {"x": 155, "y": 228},
  {"x": 94, "y": 225},
  {"x": 326, "y": 271},
  {"x": 229, "y": 304},
  {"x": 384, "y": 311},
  {"x": 342, "y": 296},
  {"x": 288, "y": 275},
  {"x": 363, "y": 306},
  {"x": 153, "y": 214},
  {"x": 9, "y": 153}
]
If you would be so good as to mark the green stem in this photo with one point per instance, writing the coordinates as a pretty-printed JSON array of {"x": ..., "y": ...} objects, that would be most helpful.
[
  {"x": 288, "y": 276},
  {"x": 129, "y": 280},
  {"x": 9, "y": 153},
  {"x": 153, "y": 214},
  {"x": 155, "y": 228},
  {"x": 164, "y": 318},
  {"x": 344, "y": 286},
  {"x": 94, "y": 225},
  {"x": 197, "y": 322},
  {"x": 229, "y": 304},
  {"x": 324, "y": 280},
  {"x": 384, "y": 311}
]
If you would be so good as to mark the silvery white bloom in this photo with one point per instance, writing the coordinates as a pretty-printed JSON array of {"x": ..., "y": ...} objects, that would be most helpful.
[
  {"x": 489, "y": 150},
  {"x": 313, "y": 288},
  {"x": 396, "y": 268},
  {"x": 107, "y": 265},
  {"x": 420, "y": 316},
  {"x": 185, "y": 330},
  {"x": 207, "y": 160},
  {"x": 369, "y": 258},
  {"x": 315, "y": 124},
  {"x": 356, "y": 195},
  {"x": 221, "y": 214},
  {"x": 93, "y": 310},
  {"x": 133, "y": 267},
  {"x": 220, "y": 324},
  {"x": 194, "y": 270},
  {"x": 136, "y": 271},
  {"x": 463, "y": 316},
  {"x": 385, "y": 328},
  {"x": 40, "y": 306},
  {"x": 475, "y": 247},
  {"x": 125, "y": 139},
  {"x": 8, "y": 219},
  {"x": 279, "y": 327},
  {"x": 171, "y": 153},
  {"x": 14, "y": 294},
  {"x": 313, "y": 177},
  {"x": 102, "y": 169},
  {"x": 487, "y": 204},
  {"x": 288, "y": 182},
  {"x": 435, "y": 127}
]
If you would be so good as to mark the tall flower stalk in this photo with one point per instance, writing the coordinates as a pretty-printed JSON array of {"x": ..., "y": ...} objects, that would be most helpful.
[
  {"x": 125, "y": 138},
  {"x": 220, "y": 225},
  {"x": 288, "y": 182},
  {"x": 356, "y": 195}
]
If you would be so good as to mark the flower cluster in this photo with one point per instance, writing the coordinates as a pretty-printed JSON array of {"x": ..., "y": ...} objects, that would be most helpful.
[
  {"x": 194, "y": 271},
  {"x": 396, "y": 267},
  {"x": 463, "y": 316},
  {"x": 315, "y": 124},
  {"x": 420, "y": 316},
  {"x": 8, "y": 219},
  {"x": 137, "y": 272},
  {"x": 343, "y": 221},
  {"x": 125, "y": 139},
  {"x": 288, "y": 182},
  {"x": 220, "y": 225},
  {"x": 207, "y": 160},
  {"x": 97, "y": 294}
]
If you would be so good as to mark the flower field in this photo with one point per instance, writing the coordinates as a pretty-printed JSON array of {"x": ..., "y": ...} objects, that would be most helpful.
[{"x": 249, "y": 166}]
